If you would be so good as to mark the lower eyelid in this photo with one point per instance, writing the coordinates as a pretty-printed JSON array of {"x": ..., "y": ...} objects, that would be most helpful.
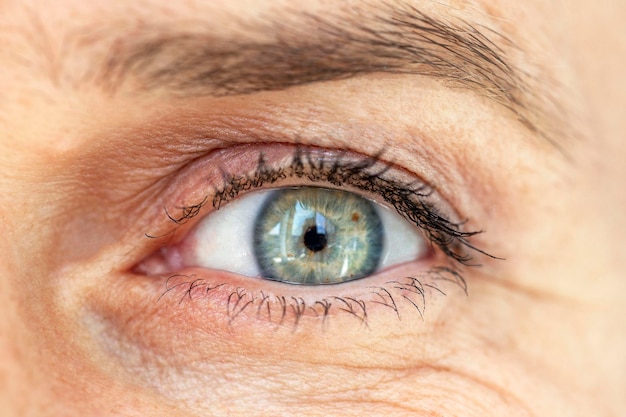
[
  {"x": 140, "y": 325},
  {"x": 229, "y": 299}
]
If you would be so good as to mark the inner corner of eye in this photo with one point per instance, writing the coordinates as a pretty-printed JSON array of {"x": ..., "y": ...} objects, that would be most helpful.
[{"x": 300, "y": 235}]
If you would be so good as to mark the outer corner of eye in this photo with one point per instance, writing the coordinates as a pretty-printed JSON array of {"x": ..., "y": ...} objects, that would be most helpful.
[{"x": 296, "y": 235}]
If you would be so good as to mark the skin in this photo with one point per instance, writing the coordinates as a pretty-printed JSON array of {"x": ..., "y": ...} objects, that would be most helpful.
[{"x": 85, "y": 174}]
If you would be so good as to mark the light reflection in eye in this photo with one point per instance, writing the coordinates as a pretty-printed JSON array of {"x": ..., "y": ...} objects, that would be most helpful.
[
  {"x": 301, "y": 235},
  {"x": 316, "y": 235}
]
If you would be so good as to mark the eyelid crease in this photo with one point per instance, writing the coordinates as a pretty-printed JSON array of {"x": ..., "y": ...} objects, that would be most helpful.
[{"x": 175, "y": 146}]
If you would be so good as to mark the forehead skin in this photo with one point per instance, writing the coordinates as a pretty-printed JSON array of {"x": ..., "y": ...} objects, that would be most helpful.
[{"x": 555, "y": 347}]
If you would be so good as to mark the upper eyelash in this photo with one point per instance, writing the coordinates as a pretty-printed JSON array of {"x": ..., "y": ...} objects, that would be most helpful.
[{"x": 408, "y": 199}]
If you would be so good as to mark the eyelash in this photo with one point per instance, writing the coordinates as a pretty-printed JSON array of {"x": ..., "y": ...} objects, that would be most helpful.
[{"x": 366, "y": 174}]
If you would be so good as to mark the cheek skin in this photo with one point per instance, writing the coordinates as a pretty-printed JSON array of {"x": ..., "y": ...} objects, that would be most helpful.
[
  {"x": 189, "y": 354},
  {"x": 48, "y": 365}
]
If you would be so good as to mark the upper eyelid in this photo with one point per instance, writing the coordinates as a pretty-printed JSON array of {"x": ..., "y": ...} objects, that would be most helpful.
[
  {"x": 439, "y": 229},
  {"x": 164, "y": 149}
]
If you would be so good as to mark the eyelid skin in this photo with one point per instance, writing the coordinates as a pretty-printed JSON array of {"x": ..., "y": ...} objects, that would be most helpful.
[{"x": 166, "y": 149}]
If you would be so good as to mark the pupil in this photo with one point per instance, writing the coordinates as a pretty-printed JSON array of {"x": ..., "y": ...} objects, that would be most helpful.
[{"x": 313, "y": 240}]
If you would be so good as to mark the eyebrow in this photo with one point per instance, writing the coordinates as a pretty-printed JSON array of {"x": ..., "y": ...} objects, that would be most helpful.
[{"x": 305, "y": 48}]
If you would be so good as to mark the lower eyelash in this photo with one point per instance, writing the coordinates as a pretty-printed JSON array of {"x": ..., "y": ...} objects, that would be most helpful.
[{"x": 281, "y": 310}]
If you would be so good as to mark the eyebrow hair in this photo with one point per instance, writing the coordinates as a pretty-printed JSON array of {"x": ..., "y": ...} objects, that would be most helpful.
[{"x": 394, "y": 39}]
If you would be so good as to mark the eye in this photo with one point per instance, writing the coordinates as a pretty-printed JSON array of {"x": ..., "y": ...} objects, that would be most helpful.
[
  {"x": 299, "y": 235},
  {"x": 250, "y": 219}
]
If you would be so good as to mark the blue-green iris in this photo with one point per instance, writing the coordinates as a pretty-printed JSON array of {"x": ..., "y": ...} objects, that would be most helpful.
[{"x": 312, "y": 235}]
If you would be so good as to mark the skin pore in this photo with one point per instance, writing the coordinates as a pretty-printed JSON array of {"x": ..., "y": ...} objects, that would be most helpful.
[{"x": 117, "y": 120}]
